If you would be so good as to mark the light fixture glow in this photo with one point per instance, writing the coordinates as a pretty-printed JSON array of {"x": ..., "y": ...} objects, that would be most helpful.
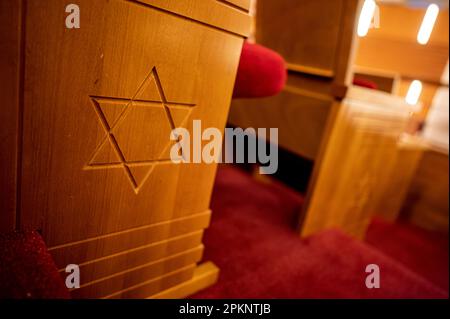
[
  {"x": 365, "y": 17},
  {"x": 427, "y": 24},
  {"x": 444, "y": 77},
  {"x": 414, "y": 91}
]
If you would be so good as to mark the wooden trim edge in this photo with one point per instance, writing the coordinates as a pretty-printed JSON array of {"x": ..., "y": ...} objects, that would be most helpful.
[{"x": 205, "y": 275}]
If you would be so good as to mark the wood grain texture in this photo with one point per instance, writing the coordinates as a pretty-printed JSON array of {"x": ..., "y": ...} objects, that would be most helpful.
[
  {"x": 347, "y": 45},
  {"x": 99, "y": 103},
  {"x": 400, "y": 168},
  {"x": 205, "y": 275},
  {"x": 153, "y": 286},
  {"x": 153, "y": 271},
  {"x": 299, "y": 116},
  {"x": 238, "y": 4},
  {"x": 426, "y": 203},
  {"x": 10, "y": 136},
  {"x": 354, "y": 161},
  {"x": 115, "y": 243},
  {"x": 112, "y": 264},
  {"x": 213, "y": 13},
  {"x": 316, "y": 38},
  {"x": 305, "y": 33},
  {"x": 57, "y": 148}
]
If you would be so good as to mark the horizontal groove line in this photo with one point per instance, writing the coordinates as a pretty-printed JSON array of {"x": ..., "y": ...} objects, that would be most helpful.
[
  {"x": 112, "y": 98},
  {"x": 197, "y": 278},
  {"x": 179, "y": 15},
  {"x": 233, "y": 5},
  {"x": 148, "y": 281},
  {"x": 90, "y": 283},
  {"x": 319, "y": 96},
  {"x": 92, "y": 261},
  {"x": 128, "y": 230},
  {"x": 98, "y": 166},
  {"x": 143, "y": 163},
  {"x": 311, "y": 71},
  {"x": 155, "y": 102}
]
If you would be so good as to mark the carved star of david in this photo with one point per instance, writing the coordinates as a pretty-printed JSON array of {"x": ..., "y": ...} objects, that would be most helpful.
[{"x": 137, "y": 130}]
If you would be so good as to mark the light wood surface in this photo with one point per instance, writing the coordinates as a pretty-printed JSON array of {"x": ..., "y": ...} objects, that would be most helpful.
[
  {"x": 411, "y": 60},
  {"x": 213, "y": 13},
  {"x": 133, "y": 277},
  {"x": 426, "y": 203},
  {"x": 306, "y": 33},
  {"x": 361, "y": 143},
  {"x": 114, "y": 243},
  {"x": 98, "y": 104},
  {"x": 299, "y": 116},
  {"x": 400, "y": 168},
  {"x": 10, "y": 86},
  {"x": 238, "y": 4},
  {"x": 205, "y": 275},
  {"x": 317, "y": 39},
  {"x": 109, "y": 265},
  {"x": 397, "y": 36},
  {"x": 153, "y": 286}
]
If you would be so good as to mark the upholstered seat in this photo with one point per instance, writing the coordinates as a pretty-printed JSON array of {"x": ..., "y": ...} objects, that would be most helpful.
[{"x": 261, "y": 72}]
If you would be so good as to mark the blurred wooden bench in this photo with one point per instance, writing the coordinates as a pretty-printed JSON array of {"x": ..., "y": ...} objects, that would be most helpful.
[
  {"x": 316, "y": 38},
  {"x": 355, "y": 136},
  {"x": 358, "y": 165},
  {"x": 426, "y": 200}
]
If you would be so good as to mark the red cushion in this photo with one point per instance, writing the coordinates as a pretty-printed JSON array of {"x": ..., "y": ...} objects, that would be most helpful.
[
  {"x": 26, "y": 268},
  {"x": 261, "y": 72},
  {"x": 365, "y": 83}
]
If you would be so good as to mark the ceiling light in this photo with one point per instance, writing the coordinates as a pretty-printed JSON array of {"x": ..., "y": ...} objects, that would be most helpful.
[
  {"x": 414, "y": 91},
  {"x": 427, "y": 24},
  {"x": 365, "y": 17}
]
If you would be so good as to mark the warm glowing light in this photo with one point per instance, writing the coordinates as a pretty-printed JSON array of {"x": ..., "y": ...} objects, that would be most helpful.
[
  {"x": 414, "y": 91},
  {"x": 366, "y": 16},
  {"x": 444, "y": 77},
  {"x": 427, "y": 24}
]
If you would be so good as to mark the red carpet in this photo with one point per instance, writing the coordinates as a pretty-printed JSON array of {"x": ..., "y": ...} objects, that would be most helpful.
[
  {"x": 424, "y": 252},
  {"x": 253, "y": 241}
]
